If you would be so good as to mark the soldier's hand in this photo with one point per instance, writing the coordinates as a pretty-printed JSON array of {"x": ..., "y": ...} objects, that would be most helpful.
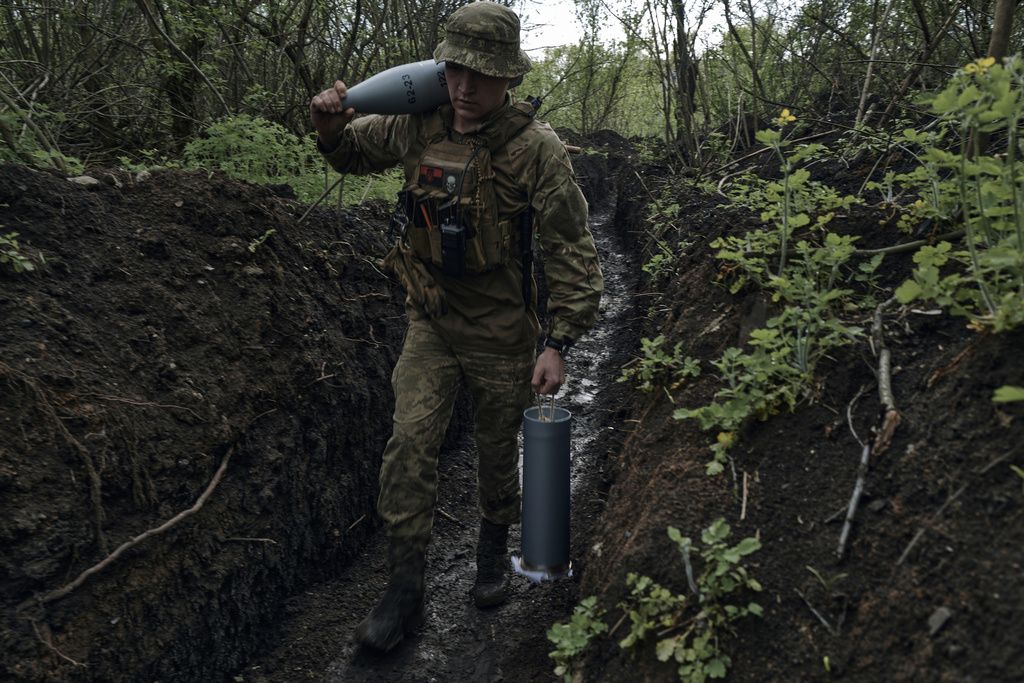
[
  {"x": 327, "y": 114},
  {"x": 549, "y": 372}
]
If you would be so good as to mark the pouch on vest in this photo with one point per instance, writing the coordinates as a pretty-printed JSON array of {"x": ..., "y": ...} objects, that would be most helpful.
[{"x": 453, "y": 186}]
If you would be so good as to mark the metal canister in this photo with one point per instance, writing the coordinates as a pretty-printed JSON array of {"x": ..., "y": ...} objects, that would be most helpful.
[{"x": 545, "y": 519}]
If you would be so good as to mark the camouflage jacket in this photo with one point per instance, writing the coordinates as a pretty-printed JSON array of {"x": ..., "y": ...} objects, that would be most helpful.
[{"x": 486, "y": 311}]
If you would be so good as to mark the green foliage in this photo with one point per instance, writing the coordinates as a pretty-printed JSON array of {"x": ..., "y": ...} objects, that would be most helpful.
[
  {"x": 985, "y": 281},
  {"x": 572, "y": 639},
  {"x": 253, "y": 149},
  {"x": 594, "y": 85},
  {"x": 11, "y": 254},
  {"x": 812, "y": 286},
  {"x": 689, "y": 628},
  {"x": 1020, "y": 473},
  {"x": 260, "y": 151},
  {"x": 1008, "y": 394},
  {"x": 26, "y": 145},
  {"x": 258, "y": 242},
  {"x": 694, "y": 626},
  {"x": 656, "y": 366}
]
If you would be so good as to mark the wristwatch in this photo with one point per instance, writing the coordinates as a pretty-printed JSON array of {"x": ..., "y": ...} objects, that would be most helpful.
[{"x": 561, "y": 346}]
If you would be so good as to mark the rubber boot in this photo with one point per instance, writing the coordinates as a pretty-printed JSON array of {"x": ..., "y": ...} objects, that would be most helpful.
[
  {"x": 491, "y": 586},
  {"x": 400, "y": 609}
]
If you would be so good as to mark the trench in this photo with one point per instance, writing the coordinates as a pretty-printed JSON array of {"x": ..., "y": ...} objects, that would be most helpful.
[{"x": 459, "y": 641}]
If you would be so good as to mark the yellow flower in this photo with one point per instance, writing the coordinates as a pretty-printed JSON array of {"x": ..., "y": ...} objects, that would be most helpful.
[
  {"x": 979, "y": 66},
  {"x": 726, "y": 439},
  {"x": 785, "y": 117}
]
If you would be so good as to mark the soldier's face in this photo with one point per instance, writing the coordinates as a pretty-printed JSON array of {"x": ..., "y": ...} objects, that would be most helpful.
[{"x": 474, "y": 95}]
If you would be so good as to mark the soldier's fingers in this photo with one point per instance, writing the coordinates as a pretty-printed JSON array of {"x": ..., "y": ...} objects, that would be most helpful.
[{"x": 538, "y": 378}]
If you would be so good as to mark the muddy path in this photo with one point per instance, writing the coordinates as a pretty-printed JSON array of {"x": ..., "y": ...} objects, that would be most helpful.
[{"x": 460, "y": 642}]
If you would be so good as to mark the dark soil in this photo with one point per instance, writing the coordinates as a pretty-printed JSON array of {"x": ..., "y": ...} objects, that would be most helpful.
[
  {"x": 152, "y": 345},
  {"x": 950, "y": 611}
]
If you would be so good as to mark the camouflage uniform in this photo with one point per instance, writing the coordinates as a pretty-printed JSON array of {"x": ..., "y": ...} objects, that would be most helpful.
[{"x": 486, "y": 336}]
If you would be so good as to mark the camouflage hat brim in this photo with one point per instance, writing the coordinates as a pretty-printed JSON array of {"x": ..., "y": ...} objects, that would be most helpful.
[{"x": 461, "y": 49}]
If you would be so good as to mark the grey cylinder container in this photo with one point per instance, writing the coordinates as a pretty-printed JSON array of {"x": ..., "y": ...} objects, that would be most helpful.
[
  {"x": 406, "y": 89},
  {"x": 545, "y": 519}
]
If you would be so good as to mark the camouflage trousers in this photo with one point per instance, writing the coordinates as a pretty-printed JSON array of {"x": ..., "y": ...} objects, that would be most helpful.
[{"x": 425, "y": 381}]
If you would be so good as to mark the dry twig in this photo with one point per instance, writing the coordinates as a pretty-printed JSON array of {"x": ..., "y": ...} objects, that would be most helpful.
[
  {"x": 816, "y": 613},
  {"x": 892, "y": 415}
]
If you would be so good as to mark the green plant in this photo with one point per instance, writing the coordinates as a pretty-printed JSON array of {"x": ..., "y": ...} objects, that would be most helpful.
[
  {"x": 690, "y": 628},
  {"x": 1020, "y": 473},
  {"x": 779, "y": 368},
  {"x": 12, "y": 256},
  {"x": 256, "y": 243},
  {"x": 985, "y": 281},
  {"x": 572, "y": 639},
  {"x": 260, "y": 151},
  {"x": 656, "y": 366},
  {"x": 1008, "y": 394}
]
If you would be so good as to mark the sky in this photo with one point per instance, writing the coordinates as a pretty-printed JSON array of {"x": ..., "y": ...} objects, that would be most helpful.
[{"x": 548, "y": 23}]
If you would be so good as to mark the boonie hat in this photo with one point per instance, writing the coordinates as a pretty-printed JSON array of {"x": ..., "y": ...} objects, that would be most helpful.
[{"x": 484, "y": 36}]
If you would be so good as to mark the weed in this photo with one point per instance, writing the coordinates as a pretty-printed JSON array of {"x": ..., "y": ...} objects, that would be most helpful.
[
  {"x": 689, "y": 628},
  {"x": 11, "y": 254},
  {"x": 1008, "y": 394},
  {"x": 256, "y": 243},
  {"x": 572, "y": 639},
  {"x": 657, "y": 366},
  {"x": 985, "y": 282}
]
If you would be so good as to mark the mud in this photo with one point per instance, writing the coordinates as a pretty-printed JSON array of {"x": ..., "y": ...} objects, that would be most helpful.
[
  {"x": 167, "y": 331},
  {"x": 153, "y": 343},
  {"x": 460, "y": 642}
]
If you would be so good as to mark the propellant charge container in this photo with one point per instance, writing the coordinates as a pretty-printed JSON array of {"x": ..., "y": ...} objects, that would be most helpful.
[
  {"x": 545, "y": 520},
  {"x": 406, "y": 89}
]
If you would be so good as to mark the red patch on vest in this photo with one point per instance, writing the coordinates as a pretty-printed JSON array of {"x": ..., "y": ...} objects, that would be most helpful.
[{"x": 431, "y": 175}]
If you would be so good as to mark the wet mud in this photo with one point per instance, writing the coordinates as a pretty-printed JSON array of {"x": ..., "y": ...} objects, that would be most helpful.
[
  {"x": 458, "y": 641},
  {"x": 188, "y": 321}
]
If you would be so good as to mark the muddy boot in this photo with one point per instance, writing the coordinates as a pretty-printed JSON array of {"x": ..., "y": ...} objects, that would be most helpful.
[
  {"x": 491, "y": 587},
  {"x": 401, "y": 608}
]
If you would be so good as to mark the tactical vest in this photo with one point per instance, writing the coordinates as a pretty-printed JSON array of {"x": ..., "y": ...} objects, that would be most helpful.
[{"x": 450, "y": 201}]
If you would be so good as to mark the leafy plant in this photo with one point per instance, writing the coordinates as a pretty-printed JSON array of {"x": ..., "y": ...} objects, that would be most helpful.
[
  {"x": 572, "y": 639},
  {"x": 689, "y": 627},
  {"x": 695, "y": 625},
  {"x": 656, "y": 365},
  {"x": 12, "y": 256},
  {"x": 260, "y": 151},
  {"x": 779, "y": 368},
  {"x": 1008, "y": 394},
  {"x": 256, "y": 243},
  {"x": 985, "y": 281}
]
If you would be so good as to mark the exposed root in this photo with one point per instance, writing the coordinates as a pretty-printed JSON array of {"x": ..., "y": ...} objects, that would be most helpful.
[
  {"x": 48, "y": 642},
  {"x": 112, "y": 557},
  {"x": 95, "y": 486}
]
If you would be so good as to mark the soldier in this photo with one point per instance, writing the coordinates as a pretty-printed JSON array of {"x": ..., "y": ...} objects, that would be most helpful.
[{"x": 482, "y": 175}]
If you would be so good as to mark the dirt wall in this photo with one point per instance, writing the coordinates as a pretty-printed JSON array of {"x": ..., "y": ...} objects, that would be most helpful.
[{"x": 173, "y": 324}]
